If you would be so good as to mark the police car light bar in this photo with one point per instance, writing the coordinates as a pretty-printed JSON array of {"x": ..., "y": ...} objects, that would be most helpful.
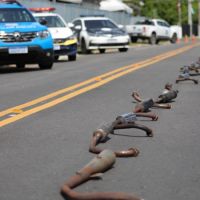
[
  {"x": 47, "y": 9},
  {"x": 10, "y": 2},
  {"x": 92, "y": 15}
]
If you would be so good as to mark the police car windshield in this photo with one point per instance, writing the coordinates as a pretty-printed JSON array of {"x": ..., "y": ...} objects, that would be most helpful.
[
  {"x": 98, "y": 24},
  {"x": 15, "y": 15},
  {"x": 52, "y": 21}
]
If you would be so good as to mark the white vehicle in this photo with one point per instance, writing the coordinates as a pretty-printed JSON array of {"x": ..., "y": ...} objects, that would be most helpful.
[
  {"x": 98, "y": 32},
  {"x": 70, "y": 1},
  {"x": 65, "y": 43},
  {"x": 154, "y": 30}
]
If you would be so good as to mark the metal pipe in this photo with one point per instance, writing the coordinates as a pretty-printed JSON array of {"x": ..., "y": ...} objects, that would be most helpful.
[
  {"x": 124, "y": 121},
  {"x": 143, "y": 107},
  {"x": 151, "y": 115},
  {"x": 161, "y": 105},
  {"x": 185, "y": 75},
  {"x": 167, "y": 96},
  {"x": 160, "y": 102},
  {"x": 98, "y": 137},
  {"x": 148, "y": 131},
  {"x": 99, "y": 164},
  {"x": 187, "y": 79}
]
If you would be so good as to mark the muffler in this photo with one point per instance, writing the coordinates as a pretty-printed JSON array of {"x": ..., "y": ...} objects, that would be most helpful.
[{"x": 124, "y": 121}]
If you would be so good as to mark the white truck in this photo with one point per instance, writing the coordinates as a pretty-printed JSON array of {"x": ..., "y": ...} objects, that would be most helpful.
[{"x": 154, "y": 30}]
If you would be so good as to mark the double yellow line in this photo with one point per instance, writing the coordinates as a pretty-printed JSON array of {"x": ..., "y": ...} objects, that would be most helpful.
[{"x": 21, "y": 111}]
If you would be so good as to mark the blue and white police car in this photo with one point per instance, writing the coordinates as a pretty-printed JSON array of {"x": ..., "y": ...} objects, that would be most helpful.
[{"x": 22, "y": 39}]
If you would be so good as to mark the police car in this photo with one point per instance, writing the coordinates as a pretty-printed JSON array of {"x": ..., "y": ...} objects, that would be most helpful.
[
  {"x": 65, "y": 43},
  {"x": 22, "y": 39},
  {"x": 99, "y": 32}
]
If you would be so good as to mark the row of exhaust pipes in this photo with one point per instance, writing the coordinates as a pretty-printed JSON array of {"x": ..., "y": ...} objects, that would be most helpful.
[
  {"x": 187, "y": 71},
  {"x": 105, "y": 158}
]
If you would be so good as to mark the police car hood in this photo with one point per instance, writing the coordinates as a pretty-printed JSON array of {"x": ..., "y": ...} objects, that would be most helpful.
[
  {"x": 21, "y": 27},
  {"x": 60, "y": 33},
  {"x": 106, "y": 31}
]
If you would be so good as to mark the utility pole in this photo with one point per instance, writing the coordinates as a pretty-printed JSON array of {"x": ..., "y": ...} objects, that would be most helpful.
[
  {"x": 190, "y": 16},
  {"x": 179, "y": 12},
  {"x": 199, "y": 18}
]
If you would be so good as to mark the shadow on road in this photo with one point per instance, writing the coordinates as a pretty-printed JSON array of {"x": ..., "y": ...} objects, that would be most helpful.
[{"x": 10, "y": 69}]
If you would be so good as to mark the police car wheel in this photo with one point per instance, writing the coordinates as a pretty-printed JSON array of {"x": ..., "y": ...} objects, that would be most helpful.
[
  {"x": 84, "y": 49},
  {"x": 20, "y": 66},
  {"x": 72, "y": 57},
  {"x": 123, "y": 49},
  {"x": 102, "y": 50},
  {"x": 46, "y": 65},
  {"x": 56, "y": 57}
]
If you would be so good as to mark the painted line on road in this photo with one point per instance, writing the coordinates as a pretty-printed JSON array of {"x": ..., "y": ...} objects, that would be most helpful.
[{"x": 89, "y": 84}]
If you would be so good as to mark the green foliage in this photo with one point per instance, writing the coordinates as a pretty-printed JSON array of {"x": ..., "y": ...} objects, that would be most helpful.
[{"x": 168, "y": 10}]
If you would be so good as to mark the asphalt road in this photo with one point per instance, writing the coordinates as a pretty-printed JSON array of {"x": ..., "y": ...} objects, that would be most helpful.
[{"x": 40, "y": 152}]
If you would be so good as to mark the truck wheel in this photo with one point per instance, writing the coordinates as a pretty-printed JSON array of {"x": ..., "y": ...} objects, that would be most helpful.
[
  {"x": 46, "y": 65},
  {"x": 133, "y": 39},
  {"x": 72, "y": 57},
  {"x": 152, "y": 39},
  {"x": 84, "y": 49},
  {"x": 20, "y": 66},
  {"x": 102, "y": 50},
  {"x": 123, "y": 49},
  {"x": 174, "y": 38}
]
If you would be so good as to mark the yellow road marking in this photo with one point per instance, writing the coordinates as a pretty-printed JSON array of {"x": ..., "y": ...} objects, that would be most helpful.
[
  {"x": 94, "y": 83},
  {"x": 71, "y": 88}
]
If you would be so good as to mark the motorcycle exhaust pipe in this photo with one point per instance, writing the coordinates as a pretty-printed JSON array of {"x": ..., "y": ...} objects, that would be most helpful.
[{"x": 99, "y": 164}]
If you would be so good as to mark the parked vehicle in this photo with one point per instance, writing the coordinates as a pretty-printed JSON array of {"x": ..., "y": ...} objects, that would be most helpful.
[
  {"x": 65, "y": 43},
  {"x": 154, "y": 30},
  {"x": 22, "y": 39},
  {"x": 69, "y": 1},
  {"x": 99, "y": 32}
]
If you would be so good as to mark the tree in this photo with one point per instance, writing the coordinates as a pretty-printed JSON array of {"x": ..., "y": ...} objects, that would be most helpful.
[
  {"x": 166, "y": 9},
  {"x": 161, "y": 9}
]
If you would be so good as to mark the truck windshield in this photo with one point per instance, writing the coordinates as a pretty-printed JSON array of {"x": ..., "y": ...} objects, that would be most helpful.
[
  {"x": 146, "y": 22},
  {"x": 15, "y": 15},
  {"x": 52, "y": 21}
]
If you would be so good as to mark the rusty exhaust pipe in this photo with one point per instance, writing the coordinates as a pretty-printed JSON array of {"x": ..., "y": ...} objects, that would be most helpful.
[
  {"x": 162, "y": 101},
  {"x": 185, "y": 76},
  {"x": 148, "y": 131},
  {"x": 98, "y": 136},
  {"x": 124, "y": 121},
  {"x": 142, "y": 109},
  {"x": 180, "y": 79},
  {"x": 99, "y": 164},
  {"x": 127, "y": 121}
]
